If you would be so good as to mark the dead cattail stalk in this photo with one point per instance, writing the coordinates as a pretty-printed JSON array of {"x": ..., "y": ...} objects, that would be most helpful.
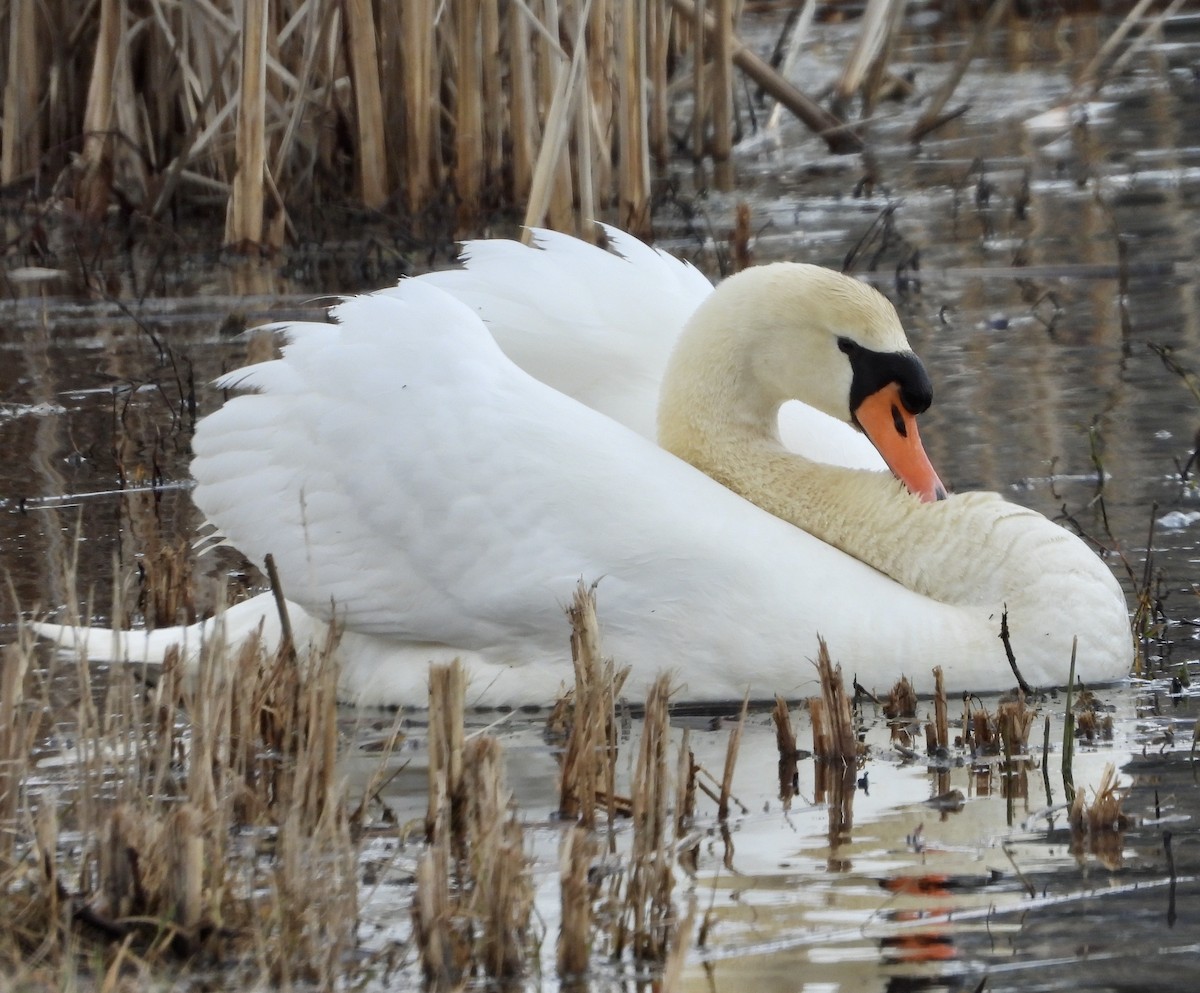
[
  {"x": 634, "y": 178},
  {"x": 95, "y": 166},
  {"x": 648, "y": 910},
  {"x": 940, "y": 732},
  {"x": 589, "y": 759},
  {"x": 418, "y": 55},
  {"x": 522, "y": 110},
  {"x": 445, "y": 820},
  {"x": 699, "y": 82},
  {"x": 468, "y": 111},
  {"x": 785, "y": 741},
  {"x": 575, "y": 931},
  {"x": 838, "y": 742},
  {"x": 723, "y": 111},
  {"x": 501, "y": 893},
  {"x": 21, "y": 141},
  {"x": 244, "y": 217},
  {"x": 363, "y": 61}
]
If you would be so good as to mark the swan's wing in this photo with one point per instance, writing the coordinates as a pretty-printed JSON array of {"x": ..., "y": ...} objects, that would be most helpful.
[
  {"x": 396, "y": 464},
  {"x": 596, "y": 325}
]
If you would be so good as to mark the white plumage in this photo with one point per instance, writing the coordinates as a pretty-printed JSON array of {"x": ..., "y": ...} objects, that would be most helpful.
[{"x": 444, "y": 502}]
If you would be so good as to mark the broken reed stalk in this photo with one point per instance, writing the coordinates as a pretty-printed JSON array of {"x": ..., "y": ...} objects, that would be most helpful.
[
  {"x": 575, "y": 855},
  {"x": 1098, "y": 827},
  {"x": 731, "y": 754},
  {"x": 837, "y": 742},
  {"x": 588, "y": 771},
  {"x": 474, "y": 897},
  {"x": 939, "y": 730},
  {"x": 685, "y": 803},
  {"x": 445, "y": 819},
  {"x": 789, "y": 754},
  {"x": 500, "y": 903},
  {"x": 648, "y": 912}
]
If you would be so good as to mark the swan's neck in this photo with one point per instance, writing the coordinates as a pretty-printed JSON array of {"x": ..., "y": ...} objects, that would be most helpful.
[{"x": 711, "y": 417}]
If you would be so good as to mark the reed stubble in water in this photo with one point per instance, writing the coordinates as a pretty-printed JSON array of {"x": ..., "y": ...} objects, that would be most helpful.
[
  {"x": 474, "y": 897},
  {"x": 189, "y": 826}
]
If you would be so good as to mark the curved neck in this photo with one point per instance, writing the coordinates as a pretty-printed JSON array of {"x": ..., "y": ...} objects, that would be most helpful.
[{"x": 709, "y": 417}]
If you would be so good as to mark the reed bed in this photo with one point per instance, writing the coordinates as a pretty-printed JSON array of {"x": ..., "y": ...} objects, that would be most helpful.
[
  {"x": 189, "y": 828},
  {"x": 447, "y": 114}
]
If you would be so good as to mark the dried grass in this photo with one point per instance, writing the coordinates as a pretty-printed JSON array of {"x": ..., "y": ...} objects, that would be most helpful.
[
  {"x": 437, "y": 108},
  {"x": 588, "y": 772},
  {"x": 834, "y": 738},
  {"x": 1099, "y": 827},
  {"x": 190, "y": 824}
]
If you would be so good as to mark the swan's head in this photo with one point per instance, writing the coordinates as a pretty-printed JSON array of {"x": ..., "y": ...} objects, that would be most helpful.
[{"x": 789, "y": 331}]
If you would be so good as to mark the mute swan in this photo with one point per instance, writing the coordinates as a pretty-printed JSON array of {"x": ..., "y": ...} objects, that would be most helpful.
[{"x": 445, "y": 501}]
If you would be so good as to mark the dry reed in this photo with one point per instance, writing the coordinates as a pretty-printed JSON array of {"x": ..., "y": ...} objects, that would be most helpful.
[
  {"x": 937, "y": 731},
  {"x": 648, "y": 915},
  {"x": 195, "y": 813},
  {"x": 474, "y": 897},
  {"x": 448, "y": 110},
  {"x": 588, "y": 771},
  {"x": 1099, "y": 827},
  {"x": 789, "y": 754},
  {"x": 836, "y": 740}
]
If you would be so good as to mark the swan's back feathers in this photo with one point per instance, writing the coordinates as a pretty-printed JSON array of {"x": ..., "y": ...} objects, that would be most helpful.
[
  {"x": 360, "y": 411},
  {"x": 594, "y": 325},
  {"x": 600, "y": 327}
]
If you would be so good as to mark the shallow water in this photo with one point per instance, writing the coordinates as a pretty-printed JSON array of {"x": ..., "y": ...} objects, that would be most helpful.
[{"x": 1035, "y": 264}]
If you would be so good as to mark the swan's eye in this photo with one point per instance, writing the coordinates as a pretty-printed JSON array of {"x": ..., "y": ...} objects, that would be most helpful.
[
  {"x": 898, "y": 421},
  {"x": 847, "y": 347}
]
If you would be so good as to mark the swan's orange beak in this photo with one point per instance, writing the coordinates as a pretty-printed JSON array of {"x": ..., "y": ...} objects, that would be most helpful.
[{"x": 893, "y": 430}]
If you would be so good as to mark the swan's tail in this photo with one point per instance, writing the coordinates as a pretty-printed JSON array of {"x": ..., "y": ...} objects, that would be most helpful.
[
  {"x": 109, "y": 645},
  {"x": 230, "y": 628}
]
